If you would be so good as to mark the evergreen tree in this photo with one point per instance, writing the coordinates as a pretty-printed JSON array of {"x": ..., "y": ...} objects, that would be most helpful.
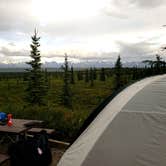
[
  {"x": 118, "y": 73},
  {"x": 87, "y": 75},
  {"x": 94, "y": 73},
  {"x": 134, "y": 73},
  {"x": 46, "y": 79},
  {"x": 79, "y": 75},
  {"x": 156, "y": 65},
  {"x": 66, "y": 96},
  {"x": 102, "y": 74},
  {"x": 91, "y": 77},
  {"x": 72, "y": 81},
  {"x": 36, "y": 88}
]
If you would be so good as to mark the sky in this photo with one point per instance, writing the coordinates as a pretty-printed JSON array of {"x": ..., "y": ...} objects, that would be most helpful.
[{"x": 87, "y": 30}]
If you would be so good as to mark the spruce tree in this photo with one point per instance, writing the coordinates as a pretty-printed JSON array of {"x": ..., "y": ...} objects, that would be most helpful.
[
  {"x": 102, "y": 74},
  {"x": 79, "y": 76},
  {"x": 36, "y": 88},
  {"x": 87, "y": 75},
  {"x": 72, "y": 80},
  {"x": 46, "y": 79},
  {"x": 118, "y": 73},
  {"x": 66, "y": 96},
  {"x": 94, "y": 73},
  {"x": 158, "y": 64},
  {"x": 91, "y": 77},
  {"x": 134, "y": 73}
]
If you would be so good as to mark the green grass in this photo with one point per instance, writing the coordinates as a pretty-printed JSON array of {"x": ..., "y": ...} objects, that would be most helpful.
[{"x": 64, "y": 120}]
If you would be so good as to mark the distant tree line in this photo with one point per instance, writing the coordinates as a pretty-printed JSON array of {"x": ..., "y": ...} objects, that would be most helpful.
[{"x": 38, "y": 80}]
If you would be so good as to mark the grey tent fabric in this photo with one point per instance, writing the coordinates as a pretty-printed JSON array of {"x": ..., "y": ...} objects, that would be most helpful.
[{"x": 129, "y": 131}]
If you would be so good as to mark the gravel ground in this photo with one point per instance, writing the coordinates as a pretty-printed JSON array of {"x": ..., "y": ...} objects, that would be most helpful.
[{"x": 56, "y": 155}]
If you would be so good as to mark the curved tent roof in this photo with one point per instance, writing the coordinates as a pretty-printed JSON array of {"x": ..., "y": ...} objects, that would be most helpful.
[{"x": 129, "y": 131}]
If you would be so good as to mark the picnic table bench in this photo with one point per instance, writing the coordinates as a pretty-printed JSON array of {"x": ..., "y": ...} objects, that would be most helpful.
[
  {"x": 38, "y": 130},
  {"x": 53, "y": 142}
]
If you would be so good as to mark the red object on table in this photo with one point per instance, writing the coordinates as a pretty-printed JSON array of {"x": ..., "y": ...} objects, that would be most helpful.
[{"x": 9, "y": 120}]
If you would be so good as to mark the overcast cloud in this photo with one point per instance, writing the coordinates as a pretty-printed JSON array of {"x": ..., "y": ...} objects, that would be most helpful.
[
  {"x": 132, "y": 28},
  {"x": 142, "y": 4}
]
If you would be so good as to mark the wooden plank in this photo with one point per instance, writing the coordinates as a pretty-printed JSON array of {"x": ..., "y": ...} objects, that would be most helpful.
[
  {"x": 38, "y": 130},
  {"x": 55, "y": 143},
  {"x": 66, "y": 144},
  {"x": 58, "y": 144}
]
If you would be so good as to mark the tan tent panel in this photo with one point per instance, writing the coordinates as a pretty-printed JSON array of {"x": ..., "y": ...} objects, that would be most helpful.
[{"x": 129, "y": 131}]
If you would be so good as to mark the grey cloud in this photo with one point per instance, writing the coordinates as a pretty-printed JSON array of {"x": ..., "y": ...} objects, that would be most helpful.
[
  {"x": 138, "y": 51},
  {"x": 95, "y": 57},
  {"x": 100, "y": 57},
  {"x": 84, "y": 28},
  {"x": 115, "y": 13},
  {"x": 105, "y": 56},
  {"x": 129, "y": 52},
  {"x": 11, "y": 44},
  {"x": 139, "y": 3},
  {"x": 130, "y": 9},
  {"x": 16, "y": 15},
  {"x": 24, "y": 53},
  {"x": 9, "y": 53},
  {"x": 148, "y": 4}
]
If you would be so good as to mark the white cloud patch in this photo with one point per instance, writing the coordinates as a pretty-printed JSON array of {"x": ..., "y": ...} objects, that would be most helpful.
[
  {"x": 138, "y": 51},
  {"x": 10, "y": 53},
  {"x": 85, "y": 39}
]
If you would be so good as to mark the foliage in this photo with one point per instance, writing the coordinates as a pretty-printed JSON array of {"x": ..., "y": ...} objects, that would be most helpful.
[
  {"x": 87, "y": 75},
  {"x": 157, "y": 64},
  {"x": 79, "y": 75},
  {"x": 36, "y": 87},
  {"x": 66, "y": 122},
  {"x": 72, "y": 80},
  {"x": 91, "y": 77},
  {"x": 118, "y": 73},
  {"x": 85, "y": 98},
  {"x": 94, "y": 73},
  {"x": 102, "y": 74},
  {"x": 66, "y": 94}
]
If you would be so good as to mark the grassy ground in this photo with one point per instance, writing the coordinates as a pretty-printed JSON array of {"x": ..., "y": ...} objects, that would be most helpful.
[{"x": 64, "y": 120}]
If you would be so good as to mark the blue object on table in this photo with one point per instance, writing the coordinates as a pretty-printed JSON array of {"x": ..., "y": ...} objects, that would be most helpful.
[{"x": 3, "y": 116}]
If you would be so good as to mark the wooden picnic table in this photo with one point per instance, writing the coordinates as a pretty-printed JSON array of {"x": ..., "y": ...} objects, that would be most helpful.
[{"x": 19, "y": 126}]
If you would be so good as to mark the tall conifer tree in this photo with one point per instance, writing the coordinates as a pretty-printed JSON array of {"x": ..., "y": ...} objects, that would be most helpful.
[
  {"x": 87, "y": 75},
  {"x": 66, "y": 96},
  {"x": 118, "y": 73},
  {"x": 91, "y": 77},
  {"x": 72, "y": 81},
  {"x": 36, "y": 88},
  {"x": 94, "y": 73},
  {"x": 79, "y": 75},
  {"x": 102, "y": 74}
]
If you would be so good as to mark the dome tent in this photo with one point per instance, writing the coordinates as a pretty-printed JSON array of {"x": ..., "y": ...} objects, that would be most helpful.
[{"x": 129, "y": 131}]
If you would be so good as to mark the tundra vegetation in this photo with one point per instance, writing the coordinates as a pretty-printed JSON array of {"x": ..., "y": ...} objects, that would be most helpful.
[{"x": 66, "y": 97}]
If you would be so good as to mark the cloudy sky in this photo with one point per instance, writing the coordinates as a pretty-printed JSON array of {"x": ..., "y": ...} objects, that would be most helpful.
[{"x": 87, "y": 30}]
